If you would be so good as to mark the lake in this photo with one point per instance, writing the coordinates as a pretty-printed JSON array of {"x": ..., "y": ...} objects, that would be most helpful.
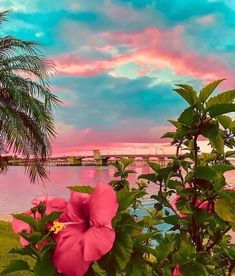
[{"x": 16, "y": 191}]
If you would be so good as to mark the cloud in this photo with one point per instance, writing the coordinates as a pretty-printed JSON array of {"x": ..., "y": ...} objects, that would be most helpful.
[
  {"x": 141, "y": 139},
  {"x": 152, "y": 49},
  {"x": 117, "y": 61},
  {"x": 104, "y": 102}
]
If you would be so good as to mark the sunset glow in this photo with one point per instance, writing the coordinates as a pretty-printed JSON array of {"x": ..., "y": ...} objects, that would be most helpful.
[{"x": 117, "y": 63}]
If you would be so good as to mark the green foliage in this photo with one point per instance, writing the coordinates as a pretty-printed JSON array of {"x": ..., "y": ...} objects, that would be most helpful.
[
  {"x": 41, "y": 244},
  {"x": 122, "y": 172},
  {"x": 15, "y": 266}
]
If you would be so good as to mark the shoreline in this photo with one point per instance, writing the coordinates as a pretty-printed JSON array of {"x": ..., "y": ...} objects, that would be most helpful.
[{"x": 6, "y": 218}]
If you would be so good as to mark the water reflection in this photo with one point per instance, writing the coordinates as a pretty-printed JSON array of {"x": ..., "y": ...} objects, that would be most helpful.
[{"x": 16, "y": 191}]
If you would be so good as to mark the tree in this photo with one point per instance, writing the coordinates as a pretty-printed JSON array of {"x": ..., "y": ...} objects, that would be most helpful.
[{"x": 26, "y": 121}]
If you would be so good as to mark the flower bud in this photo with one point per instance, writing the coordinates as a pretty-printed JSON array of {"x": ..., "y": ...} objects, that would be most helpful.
[
  {"x": 34, "y": 210},
  {"x": 41, "y": 208}
]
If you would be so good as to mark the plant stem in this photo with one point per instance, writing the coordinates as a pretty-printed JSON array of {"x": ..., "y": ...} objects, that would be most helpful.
[
  {"x": 218, "y": 239},
  {"x": 195, "y": 149}
]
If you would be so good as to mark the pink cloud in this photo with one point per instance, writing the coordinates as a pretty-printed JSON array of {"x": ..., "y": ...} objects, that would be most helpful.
[
  {"x": 68, "y": 103},
  {"x": 58, "y": 89},
  {"x": 72, "y": 139},
  {"x": 153, "y": 48}
]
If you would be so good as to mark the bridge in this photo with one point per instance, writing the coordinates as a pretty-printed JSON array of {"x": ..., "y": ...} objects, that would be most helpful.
[{"x": 99, "y": 159}]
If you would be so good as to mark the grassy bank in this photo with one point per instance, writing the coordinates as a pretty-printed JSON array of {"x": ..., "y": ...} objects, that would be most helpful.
[{"x": 8, "y": 240}]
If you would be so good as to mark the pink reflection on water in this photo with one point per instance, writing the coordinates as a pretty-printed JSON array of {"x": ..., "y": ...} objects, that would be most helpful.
[{"x": 17, "y": 192}]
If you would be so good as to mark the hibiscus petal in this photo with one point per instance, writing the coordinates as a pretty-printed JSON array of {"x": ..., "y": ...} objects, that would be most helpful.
[
  {"x": 97, "y": 242},
  {"x": 19, "y": 225},
  {"x": 76, "y": 208},
  {"x": 68, "y": 255},
  {"x": 102, "y": 205},
  {"x": 23, "y": 242},
  {"x": 176, "y": 271}
]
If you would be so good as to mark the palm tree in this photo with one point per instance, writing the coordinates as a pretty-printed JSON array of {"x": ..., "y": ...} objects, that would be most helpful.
[{"x": 26, "y": 121}]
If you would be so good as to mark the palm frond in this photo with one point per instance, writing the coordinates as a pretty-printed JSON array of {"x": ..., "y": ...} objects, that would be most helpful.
[
  {"x": 26, "y": 103},
  {"x": 3, "y": 15}
]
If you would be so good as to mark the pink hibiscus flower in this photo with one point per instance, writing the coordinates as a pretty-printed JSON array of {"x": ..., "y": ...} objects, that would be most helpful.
[
  {"x": 52, "y": 204},
  {"x": 88, "y": 233}
]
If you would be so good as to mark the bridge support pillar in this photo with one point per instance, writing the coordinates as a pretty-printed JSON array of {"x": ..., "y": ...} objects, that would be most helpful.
[
  {"x": 145, "y": 159},
  {"x": 103, "y": 161},
  {"x": 74, "y": 161},
  {"x": 161, "y": 161},
  {"x": 99, "y": 159}
]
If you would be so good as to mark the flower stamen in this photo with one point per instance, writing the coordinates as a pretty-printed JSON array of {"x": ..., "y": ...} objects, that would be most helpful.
[{"x": 57, "y": 227}]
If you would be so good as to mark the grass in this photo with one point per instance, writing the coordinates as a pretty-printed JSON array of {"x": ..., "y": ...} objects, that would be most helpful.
[{"x": 9, "y": 240}]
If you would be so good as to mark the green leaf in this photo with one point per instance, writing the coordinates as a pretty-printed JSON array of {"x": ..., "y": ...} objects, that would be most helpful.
[
  {"x": 34, "y": 237},
  {"x": 225, "y": 209},
  {"x": 130, "y": 171},
  {"x": 219, "y": 109},
  {"x": 201, "y": 217},
  {"x": 81, "y": 189},
  {"x": 26, "y": 218},
  {"x": 150, "y": 177},
  {"x": 174, "y": 123},
  {"x": 117, "y": 174},
  {"x": 144, "y": 237},
  {"x": 44, "y": 221},
  {"x": 45, "y": 266},
  {"x": 222, "y": 98},
  {"x": 154, "y": 166},
  {"x": 137, "y": 266},
  {"x": 126, "y": 162},
  {"x": 173, "y": 220},
  {"x": 217, "y": 142},
  {"x": 185, "y": 251},
  {"x": 168, "y": 135},
  {"x": 230, "y": 153},
  {"x": 187, "y": 92},
  {"x": 187, "y": 116},
  {"x": 126, "y": 198},
  {"x": 225, "y": 121},
  {"x": 163, "y": 249},
  {"x": 173, "y": 184},
  {"x": 126, "y": 222},
  {"x": 122, "y": 249},
  {"x": 95, "y": 270},
  {"x": 183, "y": 207},
  {"x": 24, "y": 251},
  {"x": 227, "y": 194},
  {"x": 14, "y": 266},
  {"x": 222, "y": 168},
  {"x": 117, "y": 165},
  {"x": 206, "y": 173},
  {"x": 193, "y": 269},
  {"x": 208, "y": 90}
]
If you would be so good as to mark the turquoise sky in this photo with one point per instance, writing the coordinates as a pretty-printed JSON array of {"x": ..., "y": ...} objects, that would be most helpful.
[{"x": 117, "y": 62}]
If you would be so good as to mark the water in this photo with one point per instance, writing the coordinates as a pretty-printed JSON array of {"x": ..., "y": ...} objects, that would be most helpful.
[{"x": 16, "y": 191}]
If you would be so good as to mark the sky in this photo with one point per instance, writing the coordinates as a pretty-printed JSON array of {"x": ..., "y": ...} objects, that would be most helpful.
[{"x": 118, "y": 61}]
